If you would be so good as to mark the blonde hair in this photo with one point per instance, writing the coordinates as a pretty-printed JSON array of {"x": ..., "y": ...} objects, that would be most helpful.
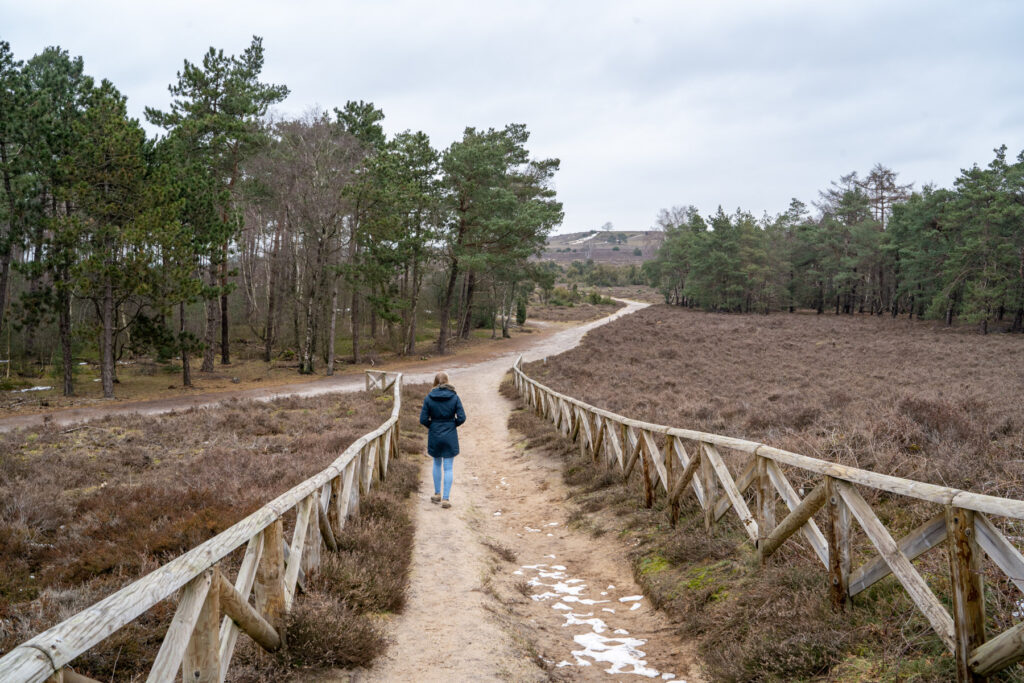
[{"x": 440, "y": 378}]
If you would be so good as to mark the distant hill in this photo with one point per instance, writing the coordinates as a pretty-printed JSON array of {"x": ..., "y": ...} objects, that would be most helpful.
[{"x": 620, "y": 247}]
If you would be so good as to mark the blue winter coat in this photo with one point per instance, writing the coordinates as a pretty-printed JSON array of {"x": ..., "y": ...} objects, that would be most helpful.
[{"x": 442, "y": 412}]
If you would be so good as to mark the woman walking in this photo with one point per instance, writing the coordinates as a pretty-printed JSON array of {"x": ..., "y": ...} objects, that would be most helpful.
[{"x": 442, "y": 413}]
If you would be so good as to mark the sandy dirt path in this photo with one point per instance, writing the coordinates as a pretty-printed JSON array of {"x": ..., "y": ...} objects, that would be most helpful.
[{"x": 555, "y": 611}]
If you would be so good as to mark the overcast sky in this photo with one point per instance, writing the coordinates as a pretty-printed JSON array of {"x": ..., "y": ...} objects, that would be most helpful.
[{"x": 647, "y": 104}]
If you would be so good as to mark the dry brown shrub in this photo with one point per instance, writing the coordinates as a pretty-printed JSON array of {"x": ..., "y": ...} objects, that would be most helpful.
[
  {"x": 909, "y": 399},
  {"x": 579, "y": 312},
  {"x": 87, "y": 509}
]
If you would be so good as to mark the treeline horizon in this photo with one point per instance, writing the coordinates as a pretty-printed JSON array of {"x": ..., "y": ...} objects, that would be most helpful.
[
  {"x": 873, "y": 245},
  {"x": 299, "y": 231}
]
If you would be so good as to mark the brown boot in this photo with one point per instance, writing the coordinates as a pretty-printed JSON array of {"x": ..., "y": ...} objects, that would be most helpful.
[{"x": 446, "y": 503}]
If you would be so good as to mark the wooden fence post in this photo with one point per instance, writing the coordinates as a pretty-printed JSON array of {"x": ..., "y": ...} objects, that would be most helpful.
[
  {"x": 838, "y": 534},
  {"x": 311, "y": 551},
  {"x": 269, "y": 588},
  {"x": 765, "y": 501},
  {"x": 707, "y": 473},
  {"x": 201, "y": 663},
  {"x": 334, "y": 509},
  {"x": 968, "y": 589},
  {"x": 645, "y": 457}
]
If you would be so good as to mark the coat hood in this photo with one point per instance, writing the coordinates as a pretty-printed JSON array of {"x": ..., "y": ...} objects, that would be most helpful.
[{"x": 442, "y": 391}]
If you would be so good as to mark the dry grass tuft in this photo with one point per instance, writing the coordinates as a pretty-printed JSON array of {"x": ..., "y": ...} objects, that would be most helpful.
[{"x": 500, "y": 550}]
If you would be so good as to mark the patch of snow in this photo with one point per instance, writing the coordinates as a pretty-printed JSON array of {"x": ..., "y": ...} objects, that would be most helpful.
[
  {"x": 623, "y": 654},
  {"x": 22, "y": 391}
]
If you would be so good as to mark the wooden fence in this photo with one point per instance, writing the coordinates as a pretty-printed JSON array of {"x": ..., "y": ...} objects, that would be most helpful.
[
  {"x": 681, "y": 459},
  {"x": 212, "y": 610}
]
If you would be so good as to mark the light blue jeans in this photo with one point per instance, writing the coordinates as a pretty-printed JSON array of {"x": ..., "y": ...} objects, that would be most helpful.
[{"x": 449, "y": 475}]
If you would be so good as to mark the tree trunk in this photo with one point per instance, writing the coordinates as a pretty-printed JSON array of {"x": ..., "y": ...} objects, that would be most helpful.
[
  {"x": 467, "y": 321},
  {"x": 446, "y": 309},
  {"x": 1018, "y": 321},
  {"x": 225, "y": 350},
  {"x": 334, "y": 326},
  {"x": 355, "y": 324},
  {"x": 272, "y": 277},
  {"x": 107, "y": 345},
  {"x": 410, "y": 333},
  {"x": 5, "y": 274},
  {"x": 186, "y": 362},
  {"x": 64, "y": 299},
  {"x": 306, "y": 361},
  {"x": 210, "y": 336}
]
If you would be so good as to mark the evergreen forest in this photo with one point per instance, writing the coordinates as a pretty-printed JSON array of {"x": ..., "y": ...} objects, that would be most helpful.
[
  {"x": 233, "y": 223},
  {"x": 871, "y": 245}
]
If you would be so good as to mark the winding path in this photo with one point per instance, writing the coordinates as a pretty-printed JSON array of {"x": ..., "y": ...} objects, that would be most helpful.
[
  {"x": 566, "y": 607},
  {"x": 468, "y": 617}
]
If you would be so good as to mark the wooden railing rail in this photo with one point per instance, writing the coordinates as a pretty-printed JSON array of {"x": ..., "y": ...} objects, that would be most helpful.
[
  {"x": 683, "y": 459},
  {"x": 213, "y": 611}
]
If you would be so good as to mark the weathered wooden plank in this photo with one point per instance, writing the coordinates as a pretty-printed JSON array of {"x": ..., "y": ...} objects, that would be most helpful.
[
  {"x": 168, "y": 660},
  {"x": 645, "y": 459},
  {"x": 725, "y": 479},
  {"x": 634, "y": 443},
  {"x": 793, "y": 522},
  {"x": 237, "y": 608},
  {"x": 324, "y": 521},
  {"x": 291, "y": 573},
  {"x": 345, "y": 506},
  {"x": 810, "y": 531},
  {"x": 968, "y": 589},
  {"x": 919, "y": 541},
  {"x": 901, "y": 567},
  {"x": 311, "y": 551},
  {"x": 201, "y": 662},
  {"x": 612, "y": 437},
  {"x": 243, "y": 584},
  {"x": 657, "y": 458},
  {"x": 765, "y": 494},
  {"x": 577, "y": 419},
  {"x": 838, "y": 535},
  {"x": 335, "y": 511},
  {"x": 684, "y": 459},
  {"x": 1002, "y": 552},
  {"x": 724, "y": 503},
  {"x": 269, "y": 585},
  {"x": 1004, "y": 650}
]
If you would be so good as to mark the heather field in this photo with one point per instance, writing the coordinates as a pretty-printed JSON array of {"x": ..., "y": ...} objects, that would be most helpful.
[
  {"x": 87, "y": 509},
  {"x": 905, "y": 398}
]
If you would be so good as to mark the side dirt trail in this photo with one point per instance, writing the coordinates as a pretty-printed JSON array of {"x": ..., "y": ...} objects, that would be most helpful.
[{"x": 501, "y": 588}]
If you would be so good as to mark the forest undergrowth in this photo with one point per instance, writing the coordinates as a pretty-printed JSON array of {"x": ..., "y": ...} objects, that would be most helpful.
[
  {"x": 89, "y": 508},
  {"x": 910, "y": 399}
]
